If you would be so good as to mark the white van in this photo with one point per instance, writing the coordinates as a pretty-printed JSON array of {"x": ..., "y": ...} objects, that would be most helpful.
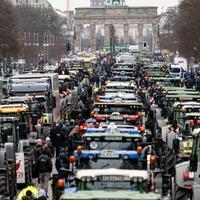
[{"x": 176, "y": 71}]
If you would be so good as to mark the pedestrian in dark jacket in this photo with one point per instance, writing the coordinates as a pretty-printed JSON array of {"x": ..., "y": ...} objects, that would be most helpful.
[
  {"x": 38, "y": 149},
  {"x": 58, "y": 138},
  {"x": 49, "y": 146},
  {"x": 62, "y": 160},
  {"x": 44, "y": 167}
]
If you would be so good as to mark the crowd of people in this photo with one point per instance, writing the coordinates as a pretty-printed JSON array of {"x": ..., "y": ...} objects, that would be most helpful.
[{"x": 58, "y": 144}]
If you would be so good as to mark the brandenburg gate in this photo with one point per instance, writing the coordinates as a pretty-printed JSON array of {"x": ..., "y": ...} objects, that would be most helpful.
[{"x": 122, "y": 15}]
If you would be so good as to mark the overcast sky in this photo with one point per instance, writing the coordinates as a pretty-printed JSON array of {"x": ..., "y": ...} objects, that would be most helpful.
[{"x": 61, "y": 4}]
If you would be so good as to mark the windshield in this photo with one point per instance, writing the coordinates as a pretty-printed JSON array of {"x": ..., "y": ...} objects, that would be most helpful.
[
  {"x": 166, "y": 84},
  {"x": 105, "y": 163},
  {"x": 122, "y": 109},
  {"x": 7, "y": 133},
  {"x": 23, "y": 117},
  {"x": 121, "y": 67},
  {"x": 7, "y": 129},
  {"x": 116, "y": 145},
  {"x": 121, "y": 88},
  {"x": 121, "y": 122},
  {"x": 175, "y": 70}
]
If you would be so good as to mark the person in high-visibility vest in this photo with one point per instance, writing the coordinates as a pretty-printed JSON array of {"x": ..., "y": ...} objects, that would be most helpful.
[
  {"x": 45, "y": 118},
  {"x": 31, "y": 191}
]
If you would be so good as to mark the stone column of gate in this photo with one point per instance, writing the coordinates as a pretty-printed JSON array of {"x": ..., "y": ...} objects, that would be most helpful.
[
  {"x": 154, "y": 37},
  {"x": 107, "y": 35},
  {"x": 126, "y": 34},
  {"x": 78, "y": 38},
  {"x": 93, "y": 37},
  {"x": 141, "y": 36}
]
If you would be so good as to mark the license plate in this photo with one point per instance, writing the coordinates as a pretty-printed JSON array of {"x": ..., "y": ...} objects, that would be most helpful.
[
  {"x": 108, "y": 154},
  {"x": 114, "y": 178},
  {"x": 116, "y": 118},
  {"x": 117, "y": 138}
]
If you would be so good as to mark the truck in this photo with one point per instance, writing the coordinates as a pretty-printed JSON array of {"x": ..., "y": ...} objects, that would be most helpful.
[
  {"x": 187, "y": 173},
  {"x": 38, "y": 84},
  {"x": 122, "y": 184}
]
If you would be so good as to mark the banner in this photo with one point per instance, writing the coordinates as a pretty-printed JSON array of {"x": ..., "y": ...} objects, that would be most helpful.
[{"x": 20, "y": 168}]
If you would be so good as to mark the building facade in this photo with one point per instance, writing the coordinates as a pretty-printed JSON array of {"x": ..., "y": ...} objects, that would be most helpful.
[{"x": 35, "y": 3}]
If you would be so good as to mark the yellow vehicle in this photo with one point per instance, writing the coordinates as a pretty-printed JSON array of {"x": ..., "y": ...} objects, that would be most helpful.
[
  {"x": 89, "y": 62},
  {"x": 21, "y": 112}
]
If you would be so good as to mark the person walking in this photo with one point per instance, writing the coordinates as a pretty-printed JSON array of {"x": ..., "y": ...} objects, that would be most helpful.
[
  {"x": 58, "y": 138},
  {"x": 44, "y": 167}
]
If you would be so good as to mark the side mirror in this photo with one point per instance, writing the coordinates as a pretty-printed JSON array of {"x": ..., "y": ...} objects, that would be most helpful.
[{"x": 193, "y": 163}]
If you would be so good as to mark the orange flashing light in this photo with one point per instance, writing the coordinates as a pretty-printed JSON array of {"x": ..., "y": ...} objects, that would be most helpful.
[
  {"x": 142, "y": 129},
  {"x": 191, "y": 123},
  {"x": 72, "y": 159},
  {"x": 81, "y": 128},
  {"x": 153, "y": 160}
]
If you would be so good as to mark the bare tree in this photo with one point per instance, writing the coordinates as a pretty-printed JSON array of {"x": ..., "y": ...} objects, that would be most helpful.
[
  {"x": 40, "y": 27},
  {"x": 9, "y": 43},
  {"x": 168, "y": 38},
  {"x": 187, "y": 28}
]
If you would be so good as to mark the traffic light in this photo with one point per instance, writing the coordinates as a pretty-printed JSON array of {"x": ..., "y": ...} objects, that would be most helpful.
[{"x": 68, "y": 46}]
